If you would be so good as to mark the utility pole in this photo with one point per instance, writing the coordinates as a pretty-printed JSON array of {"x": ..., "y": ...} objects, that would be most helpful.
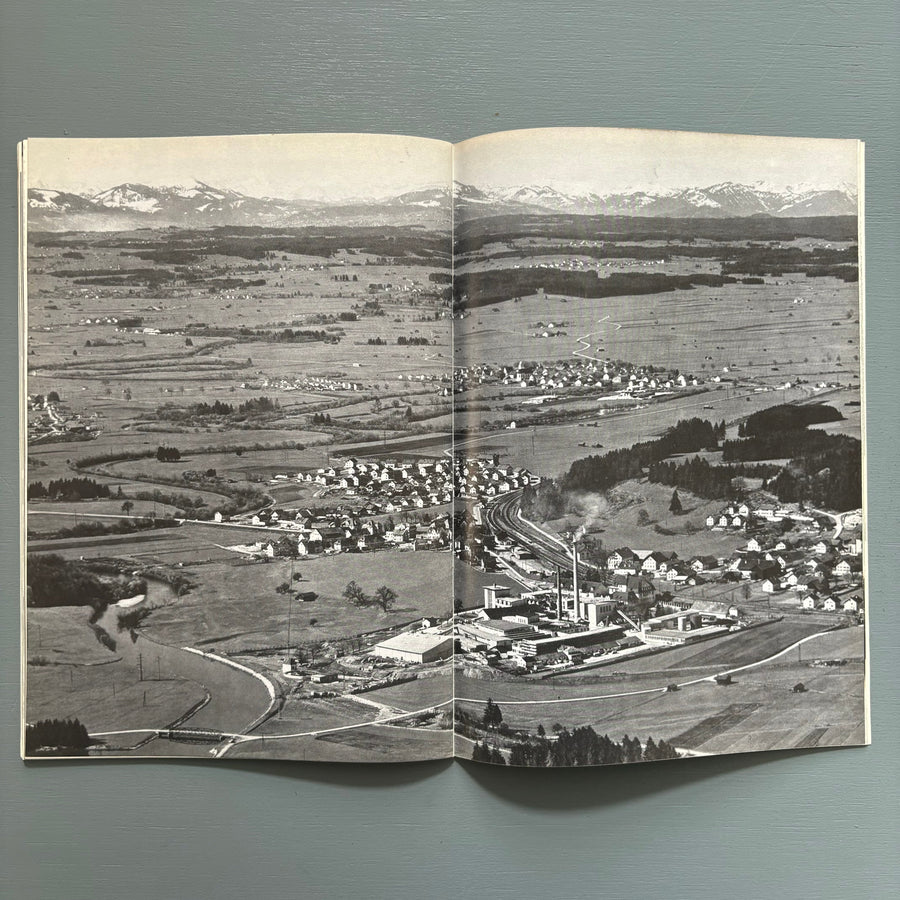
[
  {"x": 158, "y": 675},
  {"x": 141, "y": 666}
]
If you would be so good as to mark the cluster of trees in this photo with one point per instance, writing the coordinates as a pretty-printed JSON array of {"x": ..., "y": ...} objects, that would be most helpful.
[
  {"x": 404, "y": 341},
  {"x": 484, "y": 752},
  {"x": 167, "y": 454},
  {"x": 828, "y": 474},
  {"x": 38, "y": 399},
  {"x": 787, "y": 417},
  {"x": 599, "y": 473},
  {"x": 321, "y": 419},
  {"x": 580, "y": 747},
  {"x": 704, "y": 479},
  {"x": 255, "y": 406},
  {"x": 68, "y": 489},
  {"x": 377, "y": 341},
  {"x": 67, "y": 735},
  {"x": 54, "y": 581},
  {"x": 384, "y": 597}
]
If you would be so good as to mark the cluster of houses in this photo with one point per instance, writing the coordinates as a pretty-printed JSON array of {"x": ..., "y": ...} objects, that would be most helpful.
[
  {"x": 823, "y": 573},
  {"x": 347, "y": 532},
  {"x": 743, "y": 516},
  {"x": 482, "y": 478},
  {"x": 388, "y": 486},
  {"x": 310, "y": 383},
  {"x": 46, "y": 421},
  {"x": 605, "y": 375}
]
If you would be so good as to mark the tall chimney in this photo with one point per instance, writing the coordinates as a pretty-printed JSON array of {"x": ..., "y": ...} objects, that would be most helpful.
[
  {"x": 575, "y": 592},
  {"x": 559, "y": 599}
]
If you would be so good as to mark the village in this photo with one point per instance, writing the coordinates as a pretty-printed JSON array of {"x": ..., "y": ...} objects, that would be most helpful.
[
  {"x": 608, "y": 376},
  {"x": 795, "y": 563},
  {"x": 369, "y": 495}
]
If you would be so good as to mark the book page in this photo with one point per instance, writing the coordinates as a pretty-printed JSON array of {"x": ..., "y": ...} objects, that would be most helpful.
[
  {"x": 237, "y": 405},
  {"x": 659, "y": 413}
]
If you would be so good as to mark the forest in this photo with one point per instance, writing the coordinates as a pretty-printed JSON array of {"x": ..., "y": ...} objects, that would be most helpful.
[
  {"x": 705, "y": 480},
  {"x": 474, "y": 289},
  {"x": 786, "y": 417},
  {"x": 471, "y": 235}
]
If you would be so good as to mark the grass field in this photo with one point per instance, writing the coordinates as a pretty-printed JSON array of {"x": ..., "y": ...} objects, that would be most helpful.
[
  {"x": 236, "y": 606},
  {"x": 107, "y": 698},
  {"x": 418, "y": 694},
  {"x": 758, "y": 712},
  {"x": 373, "y": 743},
  {"x": 62, "y": 636}
]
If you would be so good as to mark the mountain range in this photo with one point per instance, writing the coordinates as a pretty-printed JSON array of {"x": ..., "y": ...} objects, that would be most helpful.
[{"x": 201, "y": 205}]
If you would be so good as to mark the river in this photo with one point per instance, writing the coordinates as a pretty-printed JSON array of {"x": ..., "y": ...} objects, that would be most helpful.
[{"x": 237, "y": 699}]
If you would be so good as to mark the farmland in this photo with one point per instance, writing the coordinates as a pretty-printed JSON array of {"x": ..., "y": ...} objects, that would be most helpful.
[
  {"x": 242, "y": 364},
  {"x": 758, "y": 711}
]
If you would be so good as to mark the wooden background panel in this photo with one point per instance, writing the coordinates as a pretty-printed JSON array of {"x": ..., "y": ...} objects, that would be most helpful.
[{"x": 813, "y": 824}]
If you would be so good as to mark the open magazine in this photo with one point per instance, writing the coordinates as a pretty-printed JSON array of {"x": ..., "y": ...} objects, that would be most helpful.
[{"x": 541, "y": 449}]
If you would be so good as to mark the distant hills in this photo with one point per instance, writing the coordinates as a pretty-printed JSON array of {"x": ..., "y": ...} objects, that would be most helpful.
[{"x": 201, "y": 205}]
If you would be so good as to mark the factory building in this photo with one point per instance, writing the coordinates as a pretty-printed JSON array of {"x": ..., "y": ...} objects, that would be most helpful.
[{"x": 415, "y": 648}]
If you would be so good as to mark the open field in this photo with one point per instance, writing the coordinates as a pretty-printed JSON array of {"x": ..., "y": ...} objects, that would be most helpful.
[
  {"x": 310, "y": 715},
  {"x": 62, "y": 635},
  {"x": 614, "y": 520},
  {"x": 371, "y": 743},
  {"x": 418, "y": 694},
  {"x": 749, "y": 328},
  {"x": 108, "y": 698},
  {"x": 237, "y": 607},
  {"x": 757, "y": 712}
]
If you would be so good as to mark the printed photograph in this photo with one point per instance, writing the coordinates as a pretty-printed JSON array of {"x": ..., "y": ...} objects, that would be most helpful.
[
  {"x": 544, "y": 449},
  {"x": 239, "y": 469},
  {"x": 659, "y": 535}
]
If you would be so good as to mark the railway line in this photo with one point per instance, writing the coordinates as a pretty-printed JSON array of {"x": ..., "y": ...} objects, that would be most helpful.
[{"x": 502, "y": 517}]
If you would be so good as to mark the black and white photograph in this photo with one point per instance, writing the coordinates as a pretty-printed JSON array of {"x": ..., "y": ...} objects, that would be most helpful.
[
  {"x": 239, "y": 476},
  {"x": 543, "y": 449},
  {"x": 658, "y": 405}
]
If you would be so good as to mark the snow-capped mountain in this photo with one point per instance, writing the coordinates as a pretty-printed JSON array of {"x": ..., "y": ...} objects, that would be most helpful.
[
  {"x": 715, "y": 201},
  {"x": 200, "y": 205}
]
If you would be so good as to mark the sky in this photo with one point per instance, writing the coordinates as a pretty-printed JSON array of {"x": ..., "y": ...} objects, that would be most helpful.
[
  {"x": 610, "y": 160},
  {"x": 336, "y": 167},
  {"x": 290, "y": 167}
]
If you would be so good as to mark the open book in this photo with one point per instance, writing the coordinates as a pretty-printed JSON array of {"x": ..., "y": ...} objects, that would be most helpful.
[{"x": 540, "y": 449}]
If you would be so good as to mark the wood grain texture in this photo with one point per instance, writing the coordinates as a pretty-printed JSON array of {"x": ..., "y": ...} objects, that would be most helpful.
[{"x": 814, "y": 824}]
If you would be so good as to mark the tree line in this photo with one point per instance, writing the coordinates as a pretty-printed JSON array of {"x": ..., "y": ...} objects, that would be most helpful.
[
  {"x": 581, "y": 746},
  {"x": 57, "y": 735},
  {"x": 699, "y": 477},
  {"x": 598, "y": 473},
  {"x": 68, "y": 489}
]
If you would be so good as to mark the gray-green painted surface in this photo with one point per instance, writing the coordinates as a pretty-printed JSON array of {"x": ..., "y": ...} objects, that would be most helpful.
[{"x": 814, "y": 824}]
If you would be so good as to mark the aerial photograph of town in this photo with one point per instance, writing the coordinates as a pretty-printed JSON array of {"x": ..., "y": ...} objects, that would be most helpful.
[
  {"x": 658, "y": 423},
  {"x": 540, "y": 450},
  {"x": 239, "y": 477}
]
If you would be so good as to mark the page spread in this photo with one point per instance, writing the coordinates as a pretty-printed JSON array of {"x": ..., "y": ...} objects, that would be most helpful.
[{"x": 543, "y": 449}]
